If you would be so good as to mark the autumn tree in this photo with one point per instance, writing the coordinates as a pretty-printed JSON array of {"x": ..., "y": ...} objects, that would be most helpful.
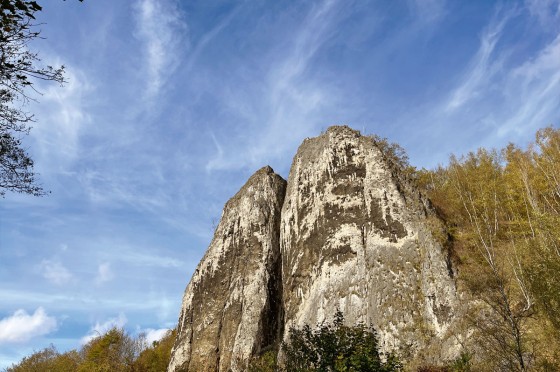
[
  {"x": 499, "y": 279},
  {"x": 113, "y": 351},
  {"x": 541, "y": 183},
  {"x": 155, "y": 357},
  {"x": 534, "y": 175},
  {"x": 48, "y": 359}
]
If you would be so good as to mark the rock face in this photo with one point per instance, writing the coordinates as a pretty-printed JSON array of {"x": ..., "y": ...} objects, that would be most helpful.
[
  {"x": 347, "y": 233},
  {"x": 231, "y": 306},
  {"x": 354, "y": 237}
]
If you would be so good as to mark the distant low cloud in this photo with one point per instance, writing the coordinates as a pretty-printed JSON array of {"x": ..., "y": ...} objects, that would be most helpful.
[
  {"x": 155, "y": 334},
  {"x": 21, "y": 327},
  {"x": 101, "y": 328},
  {"x": 104, "y": 273},
  {"x": 55, "y": 272}
]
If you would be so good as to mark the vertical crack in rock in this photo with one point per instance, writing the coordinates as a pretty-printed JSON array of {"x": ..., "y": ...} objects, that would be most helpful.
[{"x": 232, "y": 305}]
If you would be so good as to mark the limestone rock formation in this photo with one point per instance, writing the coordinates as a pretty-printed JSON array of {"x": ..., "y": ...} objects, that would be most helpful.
[
  {"x": 355, "y": 237},
  {"x": 231, "y": 305},
  {"x": 348, "y": 232}
]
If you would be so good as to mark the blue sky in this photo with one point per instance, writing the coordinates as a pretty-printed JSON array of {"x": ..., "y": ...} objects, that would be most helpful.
[{"x": 171, "y": 105}]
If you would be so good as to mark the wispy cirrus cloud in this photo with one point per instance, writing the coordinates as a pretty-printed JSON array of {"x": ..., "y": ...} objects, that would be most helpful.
[
  {"x": 529, "y": 88},
  {"x": 483, "y": 66},
  {"x": 207, "y": 38},
  {"x": 21, "y": 326},
  {"x": 62, "y": 117},
  {"x": 133, "y": 255},
  {"x": 87, "y": 301},
  {"x": 533, "y": 92},
  {"x": 506, "y": 91},
  {"x": 546, "y": 11},
  {"x": 289, "y": 98},
  {"x": 161, "y": 30}
]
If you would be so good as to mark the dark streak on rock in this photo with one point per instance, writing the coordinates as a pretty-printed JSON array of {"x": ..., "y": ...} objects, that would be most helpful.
[{"x": 387, "y": 226}]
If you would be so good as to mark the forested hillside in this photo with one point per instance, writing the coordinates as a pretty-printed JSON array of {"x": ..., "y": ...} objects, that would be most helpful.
[
  {"x": 115, "y": 350},
  {"x": 502, "y": 208}
]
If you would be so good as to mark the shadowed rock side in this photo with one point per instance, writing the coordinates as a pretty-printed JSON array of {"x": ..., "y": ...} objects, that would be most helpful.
[
  {"x": 231, "y": 307},
  {"x": 354, "y": 237}
]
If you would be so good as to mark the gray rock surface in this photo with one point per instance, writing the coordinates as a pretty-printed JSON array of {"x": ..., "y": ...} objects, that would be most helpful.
[
  {"x": 231, "y": 305},
  {"x": 348, "y": 232},
  {"x": 355, "y": 237}
]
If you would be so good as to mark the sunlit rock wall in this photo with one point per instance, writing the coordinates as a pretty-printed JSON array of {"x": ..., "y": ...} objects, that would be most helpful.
[
  {"x": 355, "y": 237},
  {"x": 231, "y": 305}
]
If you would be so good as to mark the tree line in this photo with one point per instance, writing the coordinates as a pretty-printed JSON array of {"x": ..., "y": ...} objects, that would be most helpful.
[
  {"x": 113, "y": 351},
  {"x": 329, "y": 347}
]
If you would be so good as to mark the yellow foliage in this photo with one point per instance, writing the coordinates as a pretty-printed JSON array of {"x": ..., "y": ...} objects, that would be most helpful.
[
  {"x": 114, "y": 351},
  {"x": 503, "y": 211}
]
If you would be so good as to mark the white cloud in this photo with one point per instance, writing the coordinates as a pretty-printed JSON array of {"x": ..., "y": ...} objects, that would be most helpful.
[
  {"x": 104, "y": 273},
  {"x": 55, "y": 272},
  {"x": 529, "y": 90},
  {"x": 22, "y": 327},
  {"x": 154, "y": 334},
  {"x": 159, "y": 27},
  {"x": 101, "y": 328},
  {"x": 143, "y": 256}
]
